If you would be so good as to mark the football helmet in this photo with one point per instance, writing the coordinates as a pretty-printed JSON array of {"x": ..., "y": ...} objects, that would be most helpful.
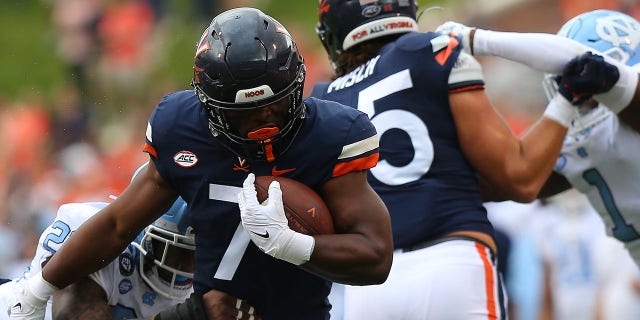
[
  {"x": 343, "y": 24},
  {"x": 246, "y": 60},
  {"x": 608, "y": 32},
  {"x": 167, "y": 248}
]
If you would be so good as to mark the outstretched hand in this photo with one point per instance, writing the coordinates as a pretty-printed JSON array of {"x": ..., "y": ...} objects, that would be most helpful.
[{"x": 586, "y": 75}]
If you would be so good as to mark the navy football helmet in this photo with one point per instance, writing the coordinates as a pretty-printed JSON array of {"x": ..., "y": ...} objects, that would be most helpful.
[
  {"x": 344, "y": 23},
  {"x": 608, "y": 32},
  {"x": 166, "y": 252},
  {"x": 246, "y": 60}
]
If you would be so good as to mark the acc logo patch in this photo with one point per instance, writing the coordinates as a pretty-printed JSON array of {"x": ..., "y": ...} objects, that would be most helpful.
[
  {"x": 371, "y": 11},
  {"x": 125, "y": 286},
  {"x": 126, "y": 264},
  {"x": 185, "y": 159}
]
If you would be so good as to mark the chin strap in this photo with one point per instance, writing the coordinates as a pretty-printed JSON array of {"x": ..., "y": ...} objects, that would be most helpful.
[{"x": 266, "y": 143}]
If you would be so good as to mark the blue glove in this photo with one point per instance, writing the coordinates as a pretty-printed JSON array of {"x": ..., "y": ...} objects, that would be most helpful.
[{"x": 586, "y": 75}]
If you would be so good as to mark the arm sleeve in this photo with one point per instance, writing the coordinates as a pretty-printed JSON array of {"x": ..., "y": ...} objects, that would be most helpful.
[
  {"x": 544, "y": 52},
  {"x": 549, "y": 53}
]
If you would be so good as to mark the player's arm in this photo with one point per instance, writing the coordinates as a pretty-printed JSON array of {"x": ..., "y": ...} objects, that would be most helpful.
[
  {"x": 517, "y": 168},
  {"x": 546, "y": 53},
  {"x": 631, "y": 114},
  {"x": 84, "y": 299},
  {"x": 361, "y": 250},
  {"x": 101, "y": 238},
  {"x": 556, "y": 183}
]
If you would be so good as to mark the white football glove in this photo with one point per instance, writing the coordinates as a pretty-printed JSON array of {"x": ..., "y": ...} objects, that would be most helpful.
[
  {"x": 30, "y": 298},
  {"x": 268, "y": 227},
  {"x": 459, "y": 30}
]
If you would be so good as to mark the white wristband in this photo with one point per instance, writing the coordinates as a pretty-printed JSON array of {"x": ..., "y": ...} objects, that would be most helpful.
[
  {"x": 296, "y": 247},
  {"x": 561, "y": 111},
  {"x": 622, "y": 92},
  {"x": 40, "y": 289}
]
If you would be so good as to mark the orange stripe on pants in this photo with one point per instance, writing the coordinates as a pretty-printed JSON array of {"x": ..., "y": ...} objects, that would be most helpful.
[{"x": 490, "y": 281}]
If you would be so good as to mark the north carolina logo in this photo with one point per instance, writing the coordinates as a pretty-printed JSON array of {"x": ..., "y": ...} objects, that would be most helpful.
[
  {"x": 125, "y": 286},
  {"x": 185, "y": 159}
]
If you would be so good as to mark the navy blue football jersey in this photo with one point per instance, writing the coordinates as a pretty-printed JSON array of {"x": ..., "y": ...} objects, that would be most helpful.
[
  {"x": 423, "y": 177},
  {"x": 209, "y": 176}
]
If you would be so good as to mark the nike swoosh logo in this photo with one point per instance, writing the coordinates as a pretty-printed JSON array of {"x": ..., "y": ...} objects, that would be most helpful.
[
  {"x": 275, "y": 172},
  {"x": 17, "y": 305},
  {"x": 262, "y": 235}
]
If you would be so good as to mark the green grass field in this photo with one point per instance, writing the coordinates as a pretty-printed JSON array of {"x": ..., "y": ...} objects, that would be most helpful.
[{"x": 30, "y": 66}]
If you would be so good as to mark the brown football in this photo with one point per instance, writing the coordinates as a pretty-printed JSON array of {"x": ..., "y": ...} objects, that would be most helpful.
[{"x": 304, "y": 208}]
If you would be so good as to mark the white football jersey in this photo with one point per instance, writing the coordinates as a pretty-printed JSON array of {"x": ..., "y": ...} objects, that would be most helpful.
[
  {"x": 126, "y": 291},
  {"x": 601, "y": 158}
]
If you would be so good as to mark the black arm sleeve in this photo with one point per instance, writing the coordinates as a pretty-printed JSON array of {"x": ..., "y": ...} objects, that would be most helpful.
[{"x": 191, "y": 309}]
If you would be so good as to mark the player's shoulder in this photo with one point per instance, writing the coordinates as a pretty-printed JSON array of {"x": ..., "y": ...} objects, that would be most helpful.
[
  {"x": 74, "y": 214},
  {"x": 177, "y": 113},
  {"x": 340, "y": 125},
  {"x": 319, "y": 89},
  {"x": 176, "y": 105},
  {"x": 415, "y": 41},
  {"x": 332, "y": 113}
]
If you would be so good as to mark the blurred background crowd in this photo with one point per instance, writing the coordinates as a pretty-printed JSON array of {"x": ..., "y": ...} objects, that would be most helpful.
[{"x": 79, "y": 79}]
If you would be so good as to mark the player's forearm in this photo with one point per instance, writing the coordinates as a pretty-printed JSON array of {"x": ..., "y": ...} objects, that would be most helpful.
[
  {"x": 541, "y": 51},
  {"x": 359, "y": 257},
  {"x": 349, "y": 259},
  {"x": 538, "y": 159}
]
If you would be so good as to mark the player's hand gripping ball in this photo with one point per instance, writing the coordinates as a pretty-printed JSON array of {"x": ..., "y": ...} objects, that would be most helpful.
[{"x": 305, "y": 210}]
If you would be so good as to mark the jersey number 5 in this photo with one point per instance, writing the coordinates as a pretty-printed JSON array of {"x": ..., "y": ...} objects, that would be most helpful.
[{"x": 403, "y": 120}]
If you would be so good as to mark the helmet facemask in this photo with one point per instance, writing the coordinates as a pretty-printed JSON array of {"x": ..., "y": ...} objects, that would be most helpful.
[
  {"x": 260, "y": 144},
  {"x": 167, "y": 261}
]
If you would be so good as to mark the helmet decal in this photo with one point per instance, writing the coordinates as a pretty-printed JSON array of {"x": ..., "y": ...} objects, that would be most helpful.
[
  {"x": 609, "y": 32},
  {"x": 254, "y": 94}
]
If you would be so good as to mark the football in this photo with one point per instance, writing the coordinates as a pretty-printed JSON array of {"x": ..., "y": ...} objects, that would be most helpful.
[{"x": 304, "y": 208}]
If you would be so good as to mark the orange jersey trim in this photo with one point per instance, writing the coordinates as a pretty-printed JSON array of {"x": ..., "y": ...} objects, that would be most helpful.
[
  {"x": 443, "y": 55},
  {"x": 150, "y": 150},
  {"x": 356, "y": 165},
  {"x": 469, "y": 88},
  {"x": 489, "y": 281}
]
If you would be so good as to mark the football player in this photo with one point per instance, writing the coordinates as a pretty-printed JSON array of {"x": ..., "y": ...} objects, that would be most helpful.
[
  {"x": 245, "y": 117},
  {"x": 151, "y": 274},
  {"x": 438, "y": 132},
  {"x": 600, "y": 154}
]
